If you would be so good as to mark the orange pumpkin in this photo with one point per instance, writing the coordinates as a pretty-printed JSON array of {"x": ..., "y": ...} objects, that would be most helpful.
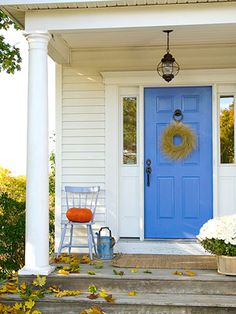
[{"x": 76, "y": 214}]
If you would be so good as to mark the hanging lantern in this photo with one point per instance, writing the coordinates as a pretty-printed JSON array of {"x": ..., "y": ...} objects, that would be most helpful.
[{"x": 168, "y": 68}]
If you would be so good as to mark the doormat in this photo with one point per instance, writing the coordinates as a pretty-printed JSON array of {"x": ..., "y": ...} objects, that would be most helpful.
[{"x": 165, "y": 261}]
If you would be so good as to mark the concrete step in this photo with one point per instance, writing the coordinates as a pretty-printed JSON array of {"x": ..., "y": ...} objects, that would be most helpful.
[
  {"x": 140, "y": 304},
  {"x": 163, "y": 281}
]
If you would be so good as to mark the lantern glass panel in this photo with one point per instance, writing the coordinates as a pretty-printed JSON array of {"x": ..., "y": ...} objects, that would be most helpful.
[{"x": 168, "y": 68}]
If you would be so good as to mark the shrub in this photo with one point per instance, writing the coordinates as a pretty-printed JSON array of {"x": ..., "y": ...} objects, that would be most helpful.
[
  {"x": 12, "y": 234},
  {"x": 12, "y": 219}
]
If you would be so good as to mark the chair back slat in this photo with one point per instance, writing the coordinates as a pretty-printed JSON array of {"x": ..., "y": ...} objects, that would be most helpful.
[{"x": 82, "y": 197}]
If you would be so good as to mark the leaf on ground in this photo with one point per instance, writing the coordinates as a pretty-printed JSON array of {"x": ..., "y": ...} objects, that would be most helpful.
[
  {"x": 132, "y": 293},
  {"x": 92, "y": 289},
  {"x": 103, "y": 293},
  {"x": 93, "y": 310},
  {"x": 29, "y": 304},
  {"x": 134, "y": 270},
  {"x": 23, "y": 287},
  {"x": 67, "y": 293},
  {"x": 63, "y": 272},
  {"x": 54, "y": 289},
  {"x": 190, "y": 273},
  {"x": 98, "y": 265},
  {"x": 36, "y": 312},
  {"x": 85, "y": 259},
  {"x": 17, "y": 306},
  {"x": 93, "y": 296},
  {"x": 110, "y": 299},
  {"x": 91, "y": 272},
  {"x": 40, "y": 281},
  {"x": 66, "y": 268},
  {"x": 147, "y": 271},
  {"x": 10, "y": 287},
  {"x": 118, "y": 273},
  {"x": 178, "y": 273}
]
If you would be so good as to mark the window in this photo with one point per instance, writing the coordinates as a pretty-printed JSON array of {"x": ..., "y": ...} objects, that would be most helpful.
[
  {"x": 227, "y": 129},
  {"x": 129, "y": 105}
]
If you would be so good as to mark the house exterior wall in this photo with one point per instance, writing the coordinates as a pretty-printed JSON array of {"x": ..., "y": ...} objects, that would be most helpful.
[
  {"x": 81, "y": 120},
  {"x": 89, "y": 127}
]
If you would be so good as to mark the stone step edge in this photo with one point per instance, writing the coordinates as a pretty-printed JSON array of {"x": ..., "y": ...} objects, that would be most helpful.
[
  {"x": 171, "y": 277},
  {"x": 215, "y": 301}
]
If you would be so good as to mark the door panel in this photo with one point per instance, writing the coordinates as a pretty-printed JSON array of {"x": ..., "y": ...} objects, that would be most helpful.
[{"x": 179, "y": 198}]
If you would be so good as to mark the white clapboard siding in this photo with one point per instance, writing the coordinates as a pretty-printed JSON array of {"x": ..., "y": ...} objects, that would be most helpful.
[
  {"x": 85, "y": 133},
  {"x": 88, "y": 86},
  {"x": 83, "y": 148},
  {"x": 83, "y": 109},
  {"x": 83, "y": 125},
  {"x": 83, "y": 139},
  {"x": 83, "y": 155},
  {"x": 75, "y": 163},
  {"x": 79, "y": 102},
  {"x": 78, "y": 171},
  {"x": 82, "y": 117},
  {"x": 83, "y": 94}
]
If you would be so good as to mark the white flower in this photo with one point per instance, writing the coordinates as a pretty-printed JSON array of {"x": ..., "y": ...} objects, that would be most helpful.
[{"x": 222, "y": 228}]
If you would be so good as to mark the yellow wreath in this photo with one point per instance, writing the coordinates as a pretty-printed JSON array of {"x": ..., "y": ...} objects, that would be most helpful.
[{"x": 187, "y": 145}]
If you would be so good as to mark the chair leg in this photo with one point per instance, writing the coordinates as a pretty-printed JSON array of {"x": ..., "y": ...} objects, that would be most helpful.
[
  {"x": 94, "y": 244},
  {"x": 62, "y": 239},
  {"x": 71, "y": 235},
  {"x": 90, "y": 243}
]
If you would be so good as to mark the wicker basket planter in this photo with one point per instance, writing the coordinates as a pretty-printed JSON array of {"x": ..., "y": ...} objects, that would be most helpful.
[{"x": 227, "y": 265}]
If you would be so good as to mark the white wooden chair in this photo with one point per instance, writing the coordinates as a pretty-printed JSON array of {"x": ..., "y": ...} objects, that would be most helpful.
[{"x": 78, "y": 198}]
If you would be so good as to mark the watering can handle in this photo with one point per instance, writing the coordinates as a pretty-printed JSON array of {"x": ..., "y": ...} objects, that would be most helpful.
[{"x": 103, "y": 229}]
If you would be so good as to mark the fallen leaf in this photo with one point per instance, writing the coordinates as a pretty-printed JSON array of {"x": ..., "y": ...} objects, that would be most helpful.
[
  {"x": 132, "y": 293},
  {"x": 23, "y": 287},
  {"x": 63, "y": 272},
  {"x": 190, "y": 273},
  {"x": 93, "y": 310},
  {"x": 98, "y": 266},
  {"x": 40, "y": 281},
  {"x": 118, "y": 273},
  {"x": 36, "y": 312},
  {"x": 85, "y": 259},
  {"x": 29, "y": 304},
  {"x": 103, "y": 293},
  {"x": 92, "y": 289},
  {"x": 178, "y": 273},
  {"x": 134, "y": 270},
  {"x": 92, "y": 296},
  {"x": 67, "y": 293},
  {"x": 66, "y": 268},
  {"x": 17, "y": 306},
  {"x": 110, "y": 299},
  {"x": 147, "y": 271},
  {"x": 90, "y": 272},
  {"x": 10, "y": 287},
  {"x": 54, "y": 289}
]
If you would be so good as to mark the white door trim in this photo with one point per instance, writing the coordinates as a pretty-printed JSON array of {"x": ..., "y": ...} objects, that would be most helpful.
[{"x": 114, "y": 80}]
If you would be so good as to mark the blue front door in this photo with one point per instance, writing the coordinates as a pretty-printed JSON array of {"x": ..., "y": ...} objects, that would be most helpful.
[{"x": 178, "y": 199}]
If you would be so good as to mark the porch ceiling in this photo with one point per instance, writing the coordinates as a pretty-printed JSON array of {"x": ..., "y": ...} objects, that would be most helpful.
[{"x": 150, "y": 37}]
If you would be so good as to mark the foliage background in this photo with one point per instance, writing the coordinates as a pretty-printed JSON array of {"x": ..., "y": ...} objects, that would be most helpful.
[
  {"x": 227, "y": 135},
  {"x": 12, "y": 218}
]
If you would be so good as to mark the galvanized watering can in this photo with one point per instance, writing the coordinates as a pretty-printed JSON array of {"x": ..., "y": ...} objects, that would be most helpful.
[{"x": 105, "y": 244}]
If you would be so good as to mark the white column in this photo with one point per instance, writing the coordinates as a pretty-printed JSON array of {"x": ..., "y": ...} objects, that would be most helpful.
[{"x": 37, "y": 205}]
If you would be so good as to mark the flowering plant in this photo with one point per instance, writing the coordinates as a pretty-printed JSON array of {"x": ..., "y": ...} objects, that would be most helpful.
[{"x": 218, "y": 235}]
